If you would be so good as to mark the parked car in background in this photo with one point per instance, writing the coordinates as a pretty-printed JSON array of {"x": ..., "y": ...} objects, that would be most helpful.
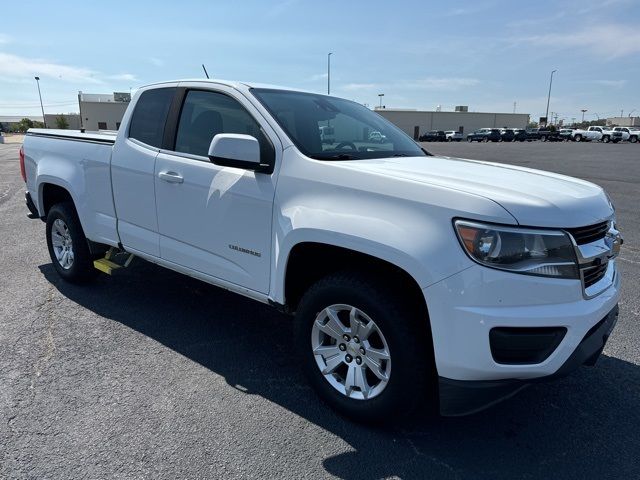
[
  {"x": 532, "y": 134},
  {"x": 484, "y": 135},
  {"x": 548, "y": 135},
  {"x": 433, "y": 136},
  {"x": 634, "y": 134},
  {"x": 627, "y": 134},
  {"x": 453, "y": 136},
  {"x": 506, "y": 135},
  {"x": 520, "y": 135},
  {"x": 565, "y": 134},
  {"x": 589, "y": 135},
  {"x": 377, "y": 137},
  {"x": 611, "y": 135}
]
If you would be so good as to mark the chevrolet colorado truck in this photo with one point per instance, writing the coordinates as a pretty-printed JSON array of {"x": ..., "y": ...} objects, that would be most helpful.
[{"x": 414, "y": 280}]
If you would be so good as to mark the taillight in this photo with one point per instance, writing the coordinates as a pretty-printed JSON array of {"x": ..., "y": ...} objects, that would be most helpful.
[{"x": 22, "y": 170}]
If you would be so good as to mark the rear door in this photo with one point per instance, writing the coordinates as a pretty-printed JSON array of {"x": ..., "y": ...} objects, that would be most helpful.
[
  {"x": 212, "y": 219},
  {"x": 133, "y": 171}
]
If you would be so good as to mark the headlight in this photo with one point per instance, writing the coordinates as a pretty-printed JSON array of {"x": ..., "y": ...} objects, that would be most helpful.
[{"x": 548, "y": 253}]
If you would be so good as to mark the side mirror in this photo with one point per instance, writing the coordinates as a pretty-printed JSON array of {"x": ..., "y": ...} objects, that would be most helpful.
[{"x": 235, "y": 150}]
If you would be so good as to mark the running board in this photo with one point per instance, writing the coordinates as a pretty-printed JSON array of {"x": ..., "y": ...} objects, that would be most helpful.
[{"x": 107, "y": 265}]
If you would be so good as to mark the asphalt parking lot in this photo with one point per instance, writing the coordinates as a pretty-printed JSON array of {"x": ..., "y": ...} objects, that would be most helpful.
[{"x": 151, "y": 374}]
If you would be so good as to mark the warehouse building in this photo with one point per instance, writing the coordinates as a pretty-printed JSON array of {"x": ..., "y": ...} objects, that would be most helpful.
[
  {"x": 417, "y": 122},
  {"x": 624, "y": 121},
  {"x": 102, "y": 111}
]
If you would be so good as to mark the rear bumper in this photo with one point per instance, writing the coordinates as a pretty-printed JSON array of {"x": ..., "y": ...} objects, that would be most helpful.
[
  {"x": 33, "y": 211},
  {"x": 463, "y": 397}
]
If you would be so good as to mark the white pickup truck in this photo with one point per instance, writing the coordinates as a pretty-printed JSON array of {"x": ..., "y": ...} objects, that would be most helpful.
[
  {"x": 596, "y": 133},
  {"x": 628, "y": 134},
  {"x": 415, "y": 280}
]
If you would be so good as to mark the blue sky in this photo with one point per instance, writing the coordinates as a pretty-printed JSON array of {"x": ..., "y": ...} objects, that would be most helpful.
[{"x": 420, "y": 54}]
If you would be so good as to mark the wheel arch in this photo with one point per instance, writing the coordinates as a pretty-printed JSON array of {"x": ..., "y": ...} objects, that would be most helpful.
[
  {"x": 309, "y": 261},
  {"x": 50, "y": 193}
]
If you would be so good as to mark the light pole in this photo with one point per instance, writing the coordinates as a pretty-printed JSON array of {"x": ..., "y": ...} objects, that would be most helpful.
[
  {"x": 546, "y": 115},
  {"x": 631, "y": 112},
  {"x": 583, "y": 112},
  {"x": 44, "y": 120},
  {"x": 381, "y": 95},
  {"x": 329, "y": 73}
]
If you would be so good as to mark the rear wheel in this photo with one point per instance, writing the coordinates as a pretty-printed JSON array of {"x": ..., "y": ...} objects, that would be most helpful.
[
  {"x": 606, "y": 139},
  {"x": 68, "y": 247},
  {"x": 578, "y": 138},
  {"x": 364, "y": 348},
  {"x": 469, "y": 139}
]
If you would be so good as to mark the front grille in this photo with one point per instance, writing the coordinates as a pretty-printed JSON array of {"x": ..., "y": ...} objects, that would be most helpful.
[
  {"x": 584, "y": 235},
  {"x": 592, "y": 275}
]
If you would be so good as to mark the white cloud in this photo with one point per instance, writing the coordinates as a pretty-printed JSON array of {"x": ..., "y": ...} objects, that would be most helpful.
[
  {"x": 316, "y": 77},
  {"x": 128, "y": 77},
  {"x": 609, "y": 41},
  {"x": 15, "y": 66},
  {"x": 612, "y": 83}
]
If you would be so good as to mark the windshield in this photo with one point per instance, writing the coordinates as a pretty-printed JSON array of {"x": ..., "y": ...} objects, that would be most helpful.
[{"x": 330, "y": 128}]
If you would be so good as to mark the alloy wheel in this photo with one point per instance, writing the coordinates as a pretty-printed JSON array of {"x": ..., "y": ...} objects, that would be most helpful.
[
  {"x": 351, "y": 352},
  {"x": 62, "y": 243}
]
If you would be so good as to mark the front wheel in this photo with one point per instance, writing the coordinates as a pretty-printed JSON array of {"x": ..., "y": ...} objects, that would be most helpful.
[
  {"x": 633, "y": 139},
  {"x": 364, "y": 349},
  {"x": 606, "y": 139},
  {"x": 68, "y": 247},
  {"x": 577, "y": 138}
]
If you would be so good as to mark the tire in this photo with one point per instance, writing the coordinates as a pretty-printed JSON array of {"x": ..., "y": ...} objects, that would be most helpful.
[
  {"x": 633, "y": 139},
  {"x": 469, "y": 139},
  {"x": 404, "y": 336},
  {"x": 543, "y": 138},
  {"x": 577, "y": 138},
  {"x": 65, "y": 235},
  {"x": 485, "y": 139},
  {"x": 606, "y": 139}
]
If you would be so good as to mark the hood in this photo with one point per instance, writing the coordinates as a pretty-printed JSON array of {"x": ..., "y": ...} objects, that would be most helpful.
[{"x": 533, "y": 197}]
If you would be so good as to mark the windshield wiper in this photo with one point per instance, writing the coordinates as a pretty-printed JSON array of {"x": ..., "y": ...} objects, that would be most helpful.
[{"x": 339, "y": 156}]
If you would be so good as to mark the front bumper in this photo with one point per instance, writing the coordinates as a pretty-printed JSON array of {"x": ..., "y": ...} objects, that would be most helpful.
[
  {"x": 464, "y": 308},
  {"x": 463, "y": 397}
]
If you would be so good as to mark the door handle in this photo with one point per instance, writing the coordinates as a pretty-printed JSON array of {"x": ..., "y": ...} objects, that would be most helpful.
[{"x": 171, "y": 177}]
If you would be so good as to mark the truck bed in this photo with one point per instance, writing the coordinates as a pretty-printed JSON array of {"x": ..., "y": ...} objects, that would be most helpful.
[{"x": 79, "y": 162}]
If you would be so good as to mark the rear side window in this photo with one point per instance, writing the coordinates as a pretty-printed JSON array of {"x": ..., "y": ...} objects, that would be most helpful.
[{"x": 150, "y": 115}]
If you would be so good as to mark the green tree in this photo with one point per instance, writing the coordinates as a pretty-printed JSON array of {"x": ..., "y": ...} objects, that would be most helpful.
[
  {"x": 61, "y": 122},
  {"x": 24, "y": 125}
]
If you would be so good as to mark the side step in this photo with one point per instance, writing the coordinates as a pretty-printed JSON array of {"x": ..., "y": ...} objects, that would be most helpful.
[{"x": 107, "y": 265}]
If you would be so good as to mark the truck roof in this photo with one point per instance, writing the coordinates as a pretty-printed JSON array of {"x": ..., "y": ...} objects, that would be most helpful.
[{"x": 239, "y": 85}]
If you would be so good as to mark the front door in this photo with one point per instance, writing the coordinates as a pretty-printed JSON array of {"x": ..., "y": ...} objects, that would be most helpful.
[{"x": 215, "y": 220}]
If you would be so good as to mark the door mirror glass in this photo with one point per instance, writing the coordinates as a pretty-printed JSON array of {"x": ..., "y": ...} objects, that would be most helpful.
[{"x": 235, "y": 150}]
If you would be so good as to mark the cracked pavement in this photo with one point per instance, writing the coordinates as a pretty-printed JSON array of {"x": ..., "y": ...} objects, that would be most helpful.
[{"x": 150, "y": 374}]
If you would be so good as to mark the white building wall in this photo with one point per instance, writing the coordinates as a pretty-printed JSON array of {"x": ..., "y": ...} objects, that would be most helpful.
[{"x": 407, "y": 120}]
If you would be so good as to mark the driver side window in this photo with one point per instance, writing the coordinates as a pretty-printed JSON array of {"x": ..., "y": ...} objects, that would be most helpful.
[{"x": 205, "y": 114}]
